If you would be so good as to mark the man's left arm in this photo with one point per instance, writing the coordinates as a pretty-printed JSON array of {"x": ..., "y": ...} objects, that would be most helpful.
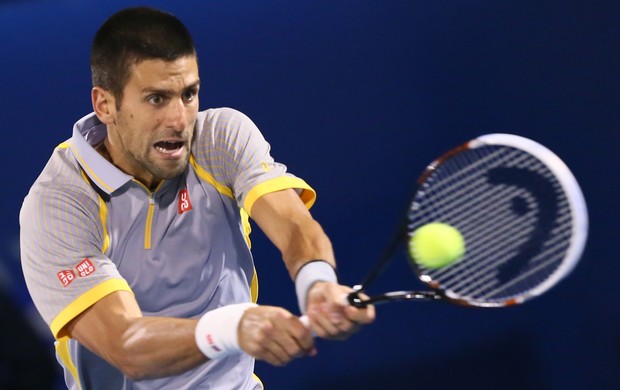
[{"x": 308, "y": 254}]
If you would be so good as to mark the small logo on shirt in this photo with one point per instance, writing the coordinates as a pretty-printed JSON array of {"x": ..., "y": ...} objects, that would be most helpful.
[
  {"x": 83, "y": 269},
  {"x": 184, "y": 203},
  {"x": 66, "y": 277}
]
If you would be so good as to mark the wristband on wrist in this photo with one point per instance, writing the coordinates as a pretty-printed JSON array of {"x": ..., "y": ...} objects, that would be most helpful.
[
  {"x": 310, "y": 273},
  {"x": 216, "y": 331}
]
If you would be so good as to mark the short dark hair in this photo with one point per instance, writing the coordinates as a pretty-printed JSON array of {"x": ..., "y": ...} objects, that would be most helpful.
[{"x": 131, "y": 36}]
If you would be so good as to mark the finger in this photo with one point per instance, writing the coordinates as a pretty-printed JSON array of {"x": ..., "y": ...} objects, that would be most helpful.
[
  {"x": 277, "y": 346},
  {"x": 274, "y": 335},
  {"x": 273, "y": 358},
  {"x": 303, "y": 336},
  {"x": 294, "y": 338},
  {"x": 363, "y": 315},
  {"x": 329, "y": 323},
  {"x": 280, "y": 353}
]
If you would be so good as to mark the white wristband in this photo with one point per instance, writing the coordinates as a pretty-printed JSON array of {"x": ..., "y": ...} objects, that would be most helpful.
[
  {"x": 216, "y": 331},
  {"x": 310, "y": 273}
]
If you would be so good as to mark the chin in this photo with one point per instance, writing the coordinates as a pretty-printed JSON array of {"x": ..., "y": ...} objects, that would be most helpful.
[{"x": 169, "y": 171}]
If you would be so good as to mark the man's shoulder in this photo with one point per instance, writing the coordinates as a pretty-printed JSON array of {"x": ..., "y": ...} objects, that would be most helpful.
[
  {"x": 222, "y": 118},
  {"x": 62, "y": 177},
  {"x": 221, "y": 113}
]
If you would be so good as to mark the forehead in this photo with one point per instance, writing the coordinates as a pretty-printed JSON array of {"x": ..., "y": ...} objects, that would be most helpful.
[{"x": 157, "y": 73}]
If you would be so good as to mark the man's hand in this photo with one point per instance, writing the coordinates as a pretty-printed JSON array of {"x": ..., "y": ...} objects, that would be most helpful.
[
  {"x": 330, "y": 316},
  {"x": 274, "y": 335}
]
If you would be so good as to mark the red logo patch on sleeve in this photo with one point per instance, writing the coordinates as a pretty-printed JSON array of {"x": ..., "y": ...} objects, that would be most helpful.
[
  {"x": 184, "y": 203},
  {"x": 85, "y": 268},
  {"x": 66, "y": 277}
]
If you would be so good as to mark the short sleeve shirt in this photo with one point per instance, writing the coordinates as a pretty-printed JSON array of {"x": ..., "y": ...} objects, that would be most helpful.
[{"x": 88, "y": 229}]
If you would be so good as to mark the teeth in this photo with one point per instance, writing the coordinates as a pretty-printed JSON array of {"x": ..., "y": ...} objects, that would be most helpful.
[
  {"x": 168, "y": 147},
  {"x": 164, "y": 150}
]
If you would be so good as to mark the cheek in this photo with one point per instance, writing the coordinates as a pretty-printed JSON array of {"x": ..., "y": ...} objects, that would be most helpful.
[
  {"x": 191, "y": 118},
  {"x": 136, "y": 134}
]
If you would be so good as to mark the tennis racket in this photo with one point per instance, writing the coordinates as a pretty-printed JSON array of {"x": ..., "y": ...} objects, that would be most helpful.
[{"x": 522, "y": 215}]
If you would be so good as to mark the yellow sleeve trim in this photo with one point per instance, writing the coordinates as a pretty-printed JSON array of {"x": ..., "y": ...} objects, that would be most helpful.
[
  {"x": 85, "y": 301},
  {"x": 307, "y": 195},
  {"x": 206, "y": 176}
]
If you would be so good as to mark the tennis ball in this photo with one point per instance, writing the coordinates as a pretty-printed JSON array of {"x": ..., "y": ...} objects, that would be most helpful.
[{"x": 436, "y": 245}]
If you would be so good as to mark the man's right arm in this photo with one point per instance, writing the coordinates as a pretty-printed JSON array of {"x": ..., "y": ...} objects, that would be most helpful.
[{"x": 149, "y": 347}]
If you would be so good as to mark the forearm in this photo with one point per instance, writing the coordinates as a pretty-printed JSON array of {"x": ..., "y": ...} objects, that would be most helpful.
[
  {"x": 156, "y": 347},
  {"x": 152, "y": 347},
  {"x": 302, "y": 241},
  {"x": 141, "y": 347},
  {"x": 306, "y": 242},
  {"x": 289, "y": 225}
]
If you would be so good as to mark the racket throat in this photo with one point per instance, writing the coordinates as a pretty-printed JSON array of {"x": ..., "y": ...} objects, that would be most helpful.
[{"x": 357, "y": 301}]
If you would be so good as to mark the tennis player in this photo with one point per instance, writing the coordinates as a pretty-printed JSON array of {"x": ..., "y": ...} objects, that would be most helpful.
[{"x": 134, "y": 237}]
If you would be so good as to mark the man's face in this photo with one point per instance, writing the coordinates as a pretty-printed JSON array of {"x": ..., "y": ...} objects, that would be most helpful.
[{"x": 150, "y": 135}]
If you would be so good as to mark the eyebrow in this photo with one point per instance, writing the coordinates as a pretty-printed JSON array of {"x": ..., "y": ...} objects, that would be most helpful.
[{"x": 158, "y": 91}]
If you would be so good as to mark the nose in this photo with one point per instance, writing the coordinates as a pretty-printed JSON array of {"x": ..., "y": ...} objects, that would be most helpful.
[{"x": 177, "y": 115}]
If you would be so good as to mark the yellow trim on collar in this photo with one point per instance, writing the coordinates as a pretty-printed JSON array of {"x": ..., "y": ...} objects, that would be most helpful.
[{"x": 91, "y": 173}]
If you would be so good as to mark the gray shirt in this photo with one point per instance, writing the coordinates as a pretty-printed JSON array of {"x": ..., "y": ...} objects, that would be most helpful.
[{"x": 88, "y": 229}]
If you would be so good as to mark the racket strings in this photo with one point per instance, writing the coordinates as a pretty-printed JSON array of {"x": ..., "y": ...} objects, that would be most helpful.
[
  {"x": 454, "y": 190},
  {"x": 479, "y": 229},
  {"x": 529, "y": 278},
  {"x": 546, "y": 261},
  {"x": 496, "y": 231},
  {"x": 507, "y": 233},
  {"x": 450, "y": 182}
]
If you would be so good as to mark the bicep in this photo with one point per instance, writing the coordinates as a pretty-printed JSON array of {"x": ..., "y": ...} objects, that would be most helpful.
[{"x": 102, "y": 327}]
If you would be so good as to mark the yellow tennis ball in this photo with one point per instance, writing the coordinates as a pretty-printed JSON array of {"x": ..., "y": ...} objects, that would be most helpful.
[{"x": 436, "y": 245}]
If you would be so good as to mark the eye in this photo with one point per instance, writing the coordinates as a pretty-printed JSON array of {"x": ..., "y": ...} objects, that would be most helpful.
[
  {"x": 189, "y": 95},
  {"x": 155, "y": 100}
]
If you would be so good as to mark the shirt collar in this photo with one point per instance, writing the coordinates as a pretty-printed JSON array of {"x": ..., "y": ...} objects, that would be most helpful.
[{"x": 87, "y": 133}]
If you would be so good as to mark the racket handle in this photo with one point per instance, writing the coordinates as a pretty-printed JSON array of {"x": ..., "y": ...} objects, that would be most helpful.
[{"x": 305, "y": 321}]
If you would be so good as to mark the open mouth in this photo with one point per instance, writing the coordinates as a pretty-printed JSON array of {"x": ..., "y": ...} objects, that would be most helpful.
[{"x": 169, "y": 147}]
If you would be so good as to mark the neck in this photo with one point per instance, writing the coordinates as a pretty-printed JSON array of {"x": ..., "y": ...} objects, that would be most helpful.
[{"x": 103, "y": 150}]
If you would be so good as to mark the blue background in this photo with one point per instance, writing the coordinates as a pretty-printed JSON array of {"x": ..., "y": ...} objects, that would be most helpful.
[{"x": 357, "y": 96}]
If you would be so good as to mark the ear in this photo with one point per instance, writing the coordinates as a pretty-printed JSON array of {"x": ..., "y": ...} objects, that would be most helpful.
[{"x": 104, "y": 105}]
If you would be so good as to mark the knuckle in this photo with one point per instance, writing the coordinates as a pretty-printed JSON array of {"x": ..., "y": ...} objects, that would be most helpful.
[
  {"x": 267, "y": 330},
  {"x": 257, "y": 349}
]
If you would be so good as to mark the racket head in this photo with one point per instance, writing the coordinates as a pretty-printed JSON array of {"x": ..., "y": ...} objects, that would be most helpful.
[{"x": 520, "y": 210}]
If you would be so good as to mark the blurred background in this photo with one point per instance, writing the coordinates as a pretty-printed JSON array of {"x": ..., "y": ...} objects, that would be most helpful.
[{"x": 356, "y": 97}]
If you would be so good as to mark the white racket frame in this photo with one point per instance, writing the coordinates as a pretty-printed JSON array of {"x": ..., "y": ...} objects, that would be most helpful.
[{"x": 576, "y": 200}]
